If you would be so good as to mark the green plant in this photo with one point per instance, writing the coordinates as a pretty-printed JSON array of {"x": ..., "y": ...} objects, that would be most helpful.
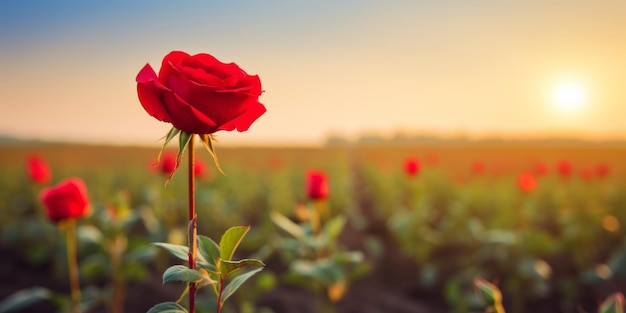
[{"x": 215, "y": 268}]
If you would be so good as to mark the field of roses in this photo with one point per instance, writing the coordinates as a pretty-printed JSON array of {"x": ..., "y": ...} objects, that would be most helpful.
[{"x": 399, "y": 228}]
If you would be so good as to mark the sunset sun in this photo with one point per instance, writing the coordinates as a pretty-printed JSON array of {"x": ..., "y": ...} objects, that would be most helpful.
[{"x": 569, "y": 96}]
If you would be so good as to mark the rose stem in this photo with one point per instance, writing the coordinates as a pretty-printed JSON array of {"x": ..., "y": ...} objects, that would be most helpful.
[
  {"x": 193, "y": 225},
  {"x": 70, "y": 239}
]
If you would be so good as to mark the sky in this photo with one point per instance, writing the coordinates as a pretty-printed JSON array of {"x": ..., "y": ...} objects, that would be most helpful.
[{"x": 517, "y": 68}]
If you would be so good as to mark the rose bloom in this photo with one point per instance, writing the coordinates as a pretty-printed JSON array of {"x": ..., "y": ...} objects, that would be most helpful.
[
  {"x": 602, "y": 170},
  {"x": 168, "y": 163},
  {"x": 541, "y": 169},
  {"x": 199, "y": 167},
  {"x": 526, "y": 182},
  {"x": 564, "y": 168},
  {"x": 38, "y": 169},
  {"x": 411, "y": 166},
  {"x": 478, "y": 168},
  {"x": 317, "y": 185},
  {"x": 198, "y": 94},
  {"x": 66, "y": 200}
]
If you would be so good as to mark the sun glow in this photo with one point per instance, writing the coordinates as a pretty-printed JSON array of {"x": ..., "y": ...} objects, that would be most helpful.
[{"x": 569, "y": 96}]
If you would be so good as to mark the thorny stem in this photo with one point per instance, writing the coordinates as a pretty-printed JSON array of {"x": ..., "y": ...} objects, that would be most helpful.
[
  {"x": 70, "y": 239},
  {"x": 193, "y": 226}
]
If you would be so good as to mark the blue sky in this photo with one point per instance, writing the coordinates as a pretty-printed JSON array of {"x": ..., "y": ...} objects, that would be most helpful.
[{"x": 342, "y": 67}]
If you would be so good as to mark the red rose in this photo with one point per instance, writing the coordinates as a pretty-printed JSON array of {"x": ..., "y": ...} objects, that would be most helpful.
[
  {"x": 168, "y": 163},
  {"x": 38, "y": 170},
  {"x": 411, "y": 166},
  {"x": 66, "y": 200},
  {"x": 198, "y": 94},
  {"x": 541, "y": 169},
  {"x": 602, "y": 170},
  {"x": 526, "y": 182},
  {"x": 564, "y": 168},
  {"x": 199, "y": 168},
  {"x": 317, "y": 185}
]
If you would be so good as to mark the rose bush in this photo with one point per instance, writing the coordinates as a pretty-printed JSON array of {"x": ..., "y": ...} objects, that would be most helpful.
[
  {"x": 198, "y": 94},
  {"x": 66, "y": 200}
]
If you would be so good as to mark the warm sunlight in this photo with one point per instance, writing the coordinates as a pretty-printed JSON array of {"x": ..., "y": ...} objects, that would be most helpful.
[{"x": 569, "y": 96}]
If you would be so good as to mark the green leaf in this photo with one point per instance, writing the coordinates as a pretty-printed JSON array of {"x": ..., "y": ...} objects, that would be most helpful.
[
  {"x": 181, "y": 252},
  {"x": 209, "y": 249},
  {"x": 287, "y": 225},
  {"x": 24, "y": 298},
  {"x": 181, "y": 273},
  {"x": 334, "y": 227},
  {"x": 230, "y": 289},
  {"x": 326, "y": 271},
  {"x": 208, "y": 144},
  {"x": 167, "y": 307},
  {"x": 230, "y": 241},
  {"x": 228, "y": 267}
]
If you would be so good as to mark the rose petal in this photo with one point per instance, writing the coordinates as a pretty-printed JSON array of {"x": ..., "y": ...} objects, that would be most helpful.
[
  {"x": 185, "y": 117},
  {"x": 244, "y": 120},
  {"x": 149, "y": 94}
]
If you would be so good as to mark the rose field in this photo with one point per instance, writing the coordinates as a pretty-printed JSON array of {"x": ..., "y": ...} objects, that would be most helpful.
[{"x": 544, "y": 223}]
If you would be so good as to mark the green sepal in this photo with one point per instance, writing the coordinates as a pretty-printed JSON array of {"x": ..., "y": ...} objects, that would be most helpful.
[
  {"x": 230, "y": 241},
  {"x": 234, "y": 284},
  {"x": 168, "y": 307},
  {"x": 228, "y": 267},
  {"x": 170, "y": 135},
  {"x": 181, "y": 273},
  {"x": 207, "y": 140}
]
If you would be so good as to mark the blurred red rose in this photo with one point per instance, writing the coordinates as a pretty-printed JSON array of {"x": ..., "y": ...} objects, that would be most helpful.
[
  {"x": 198, "y": 94},
  {"x": 411, "y": 166},
  {"x": 602, "y": 170},
  {"x": 168, "y": 163},
  {"x": 587, "y": 174},
  {"x": 564, "y": 168},
  {"x": 66, "y": 200},
  {"x": 541, "y": 169},
  {"x": 478, "y": 168},
  {"x": 199, "y": 168},
  {"x": 526, "y": 182},
  {"x": 38, "y": 169},
  {"x": 317, "y": 185}
]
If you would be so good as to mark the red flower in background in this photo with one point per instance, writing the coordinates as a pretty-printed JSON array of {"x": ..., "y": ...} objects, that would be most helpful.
[
  {"x": 199, "y": 168},
  {"x": 168, "y": 163},
  {"x": 66, "y": 200},
  {"x": 564, "y": 168},
  {"x": 602, "y": 170},
  {"x": 198, "y": 94},
  {"x": 587, "y": 174},
  {"x": 526, "y": 182},
  {"x": 317, "y": 187},
  {"x": 541, "y": 169},
  {"x": 38, "y": 170},
  {"x": 478, "y": 168},
  {"x": 411, "y": 166}
]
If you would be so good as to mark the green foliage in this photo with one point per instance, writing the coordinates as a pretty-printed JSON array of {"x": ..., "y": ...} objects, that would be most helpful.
[{"x": 216, "y": 267}]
